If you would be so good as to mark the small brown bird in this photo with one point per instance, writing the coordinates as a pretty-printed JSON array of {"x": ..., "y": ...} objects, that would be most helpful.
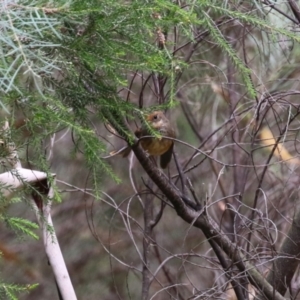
[{"x": 156, "y": 146}]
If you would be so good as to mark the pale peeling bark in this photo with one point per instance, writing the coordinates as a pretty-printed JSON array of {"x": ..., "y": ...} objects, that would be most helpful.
[{"x": 18, "y": 179}]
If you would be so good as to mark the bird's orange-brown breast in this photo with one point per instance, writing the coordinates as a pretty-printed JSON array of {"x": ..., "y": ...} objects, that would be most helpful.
[{"x": 155, "y": 146}]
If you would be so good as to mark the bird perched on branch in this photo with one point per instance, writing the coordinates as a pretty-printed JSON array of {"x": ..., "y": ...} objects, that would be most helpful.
[{"x": 155, "y": 146}]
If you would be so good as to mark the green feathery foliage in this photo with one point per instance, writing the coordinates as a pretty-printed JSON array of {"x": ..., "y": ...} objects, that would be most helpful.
[
  {"x": 21, "y": 226},
  {"x": 26, "y": 33},
  {"x": 11, "y": 291}
]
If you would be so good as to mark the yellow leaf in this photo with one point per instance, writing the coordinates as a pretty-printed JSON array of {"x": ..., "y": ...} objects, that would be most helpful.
[{"x": 281, "y": 152}]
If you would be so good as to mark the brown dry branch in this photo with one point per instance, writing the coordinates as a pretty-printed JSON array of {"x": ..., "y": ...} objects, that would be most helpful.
[
  {"x": 288, "y": 258},
  {"x": 209, "y": 228}
]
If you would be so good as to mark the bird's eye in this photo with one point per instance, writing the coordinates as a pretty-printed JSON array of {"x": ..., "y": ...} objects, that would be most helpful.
[{"x": 155, "y": 117}]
